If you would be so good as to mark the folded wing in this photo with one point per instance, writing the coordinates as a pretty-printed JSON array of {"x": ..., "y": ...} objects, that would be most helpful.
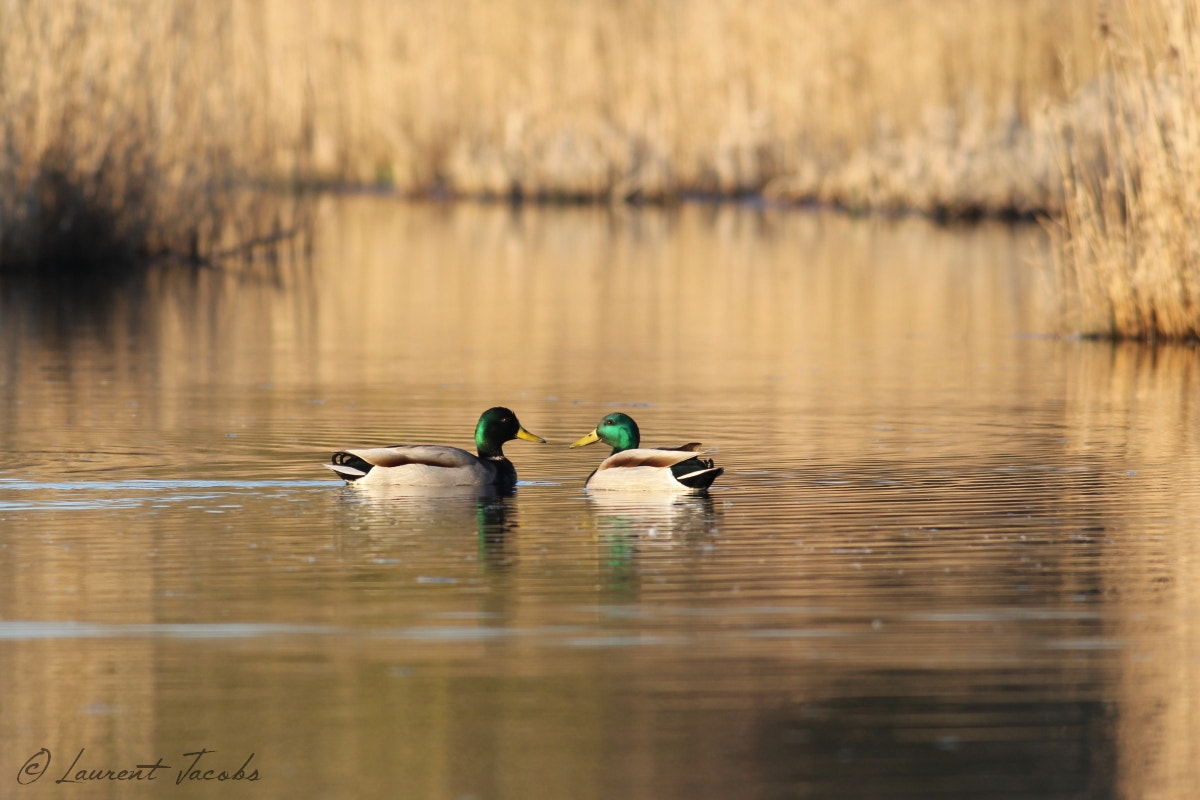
[
  {"x": 647, "y": 457},
  {"x": 402, "y": 455}
]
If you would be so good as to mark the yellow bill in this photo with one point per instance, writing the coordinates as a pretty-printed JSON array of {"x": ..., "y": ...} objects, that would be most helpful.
[
  {"x": 591, "y": 438},
  {"x": 527, "y": 436}
]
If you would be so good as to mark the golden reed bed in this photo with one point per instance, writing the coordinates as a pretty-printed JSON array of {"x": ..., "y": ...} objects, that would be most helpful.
[
  {"x": 929, "y": 104},
  {"x": 1128, "y": 254},
  {"x": 128, "y": 126}
]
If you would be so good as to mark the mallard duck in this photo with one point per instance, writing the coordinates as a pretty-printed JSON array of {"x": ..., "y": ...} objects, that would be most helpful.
[
  {"x": 439, "y": 465},
  {"x": 634, "y": 468}
]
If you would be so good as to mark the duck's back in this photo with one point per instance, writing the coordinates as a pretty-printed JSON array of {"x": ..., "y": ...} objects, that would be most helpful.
[{"x": 421, "y": 465}]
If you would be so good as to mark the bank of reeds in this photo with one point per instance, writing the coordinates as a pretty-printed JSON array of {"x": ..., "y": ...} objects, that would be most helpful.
[
  {"x": 126, "y": 135},
  {"x": 1128, "y": 248},
  {"x": 934, "y": 105},
  {"x": 126, "y": 124}
]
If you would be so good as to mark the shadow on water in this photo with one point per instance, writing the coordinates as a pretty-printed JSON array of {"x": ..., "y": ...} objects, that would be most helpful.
[
  {"x": 890, "y": 742},
  {"x": 55, "y": 310},
  {"x": 126, "y": 306}
]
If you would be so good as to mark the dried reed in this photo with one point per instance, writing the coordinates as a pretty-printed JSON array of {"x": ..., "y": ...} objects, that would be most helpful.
[
  {"x": 928, "y": 104},
  {"x": 125, "y": 124},
  {"x": 124, "y": 130},
  {"x": 1128, "y": 247}
]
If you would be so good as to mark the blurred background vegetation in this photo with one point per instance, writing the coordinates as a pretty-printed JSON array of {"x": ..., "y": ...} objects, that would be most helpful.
[{"x": 133, "y": 130}]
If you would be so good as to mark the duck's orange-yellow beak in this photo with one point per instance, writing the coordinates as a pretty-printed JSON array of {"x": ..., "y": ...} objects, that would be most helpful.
[{"x": 591, "y": 438}]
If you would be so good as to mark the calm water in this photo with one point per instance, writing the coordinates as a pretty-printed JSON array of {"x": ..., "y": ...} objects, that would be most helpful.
[{"x": 951, "y": 555}]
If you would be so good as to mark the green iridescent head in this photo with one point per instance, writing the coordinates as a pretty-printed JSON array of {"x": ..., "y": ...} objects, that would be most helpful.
[
  {"x": 497, "y": 426},
  {"x": 618, "y": 430}
]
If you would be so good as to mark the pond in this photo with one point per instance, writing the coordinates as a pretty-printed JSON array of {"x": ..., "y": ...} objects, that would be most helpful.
[{"x": 951, "y": 553}]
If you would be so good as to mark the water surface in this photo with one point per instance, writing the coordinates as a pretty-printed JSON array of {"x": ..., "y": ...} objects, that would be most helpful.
[{"x": 951, "y": 555}]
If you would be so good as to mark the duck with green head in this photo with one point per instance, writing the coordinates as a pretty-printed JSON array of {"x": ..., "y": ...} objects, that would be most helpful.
[
  {"x": 633, "y": 468},
  {"x": 439, "y": 465}
]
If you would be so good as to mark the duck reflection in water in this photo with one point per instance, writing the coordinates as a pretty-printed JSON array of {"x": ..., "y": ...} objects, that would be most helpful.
[
  {"x": 423, "y": 519},
  {"x": 633, "y": 527},
  {"x": 494, "y": 527}
]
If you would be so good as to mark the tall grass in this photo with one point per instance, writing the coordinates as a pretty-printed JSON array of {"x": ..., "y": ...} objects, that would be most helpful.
[
  {"x": 126, "y": 124},
  {"x": 930, "y": 104},
  {"x": 124, "y": 129},
  {"x": 1128, "y": 249}
]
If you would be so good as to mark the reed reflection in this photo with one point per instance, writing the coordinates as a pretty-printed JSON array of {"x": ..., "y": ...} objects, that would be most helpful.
[{"x": 1137, "y": 402}]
